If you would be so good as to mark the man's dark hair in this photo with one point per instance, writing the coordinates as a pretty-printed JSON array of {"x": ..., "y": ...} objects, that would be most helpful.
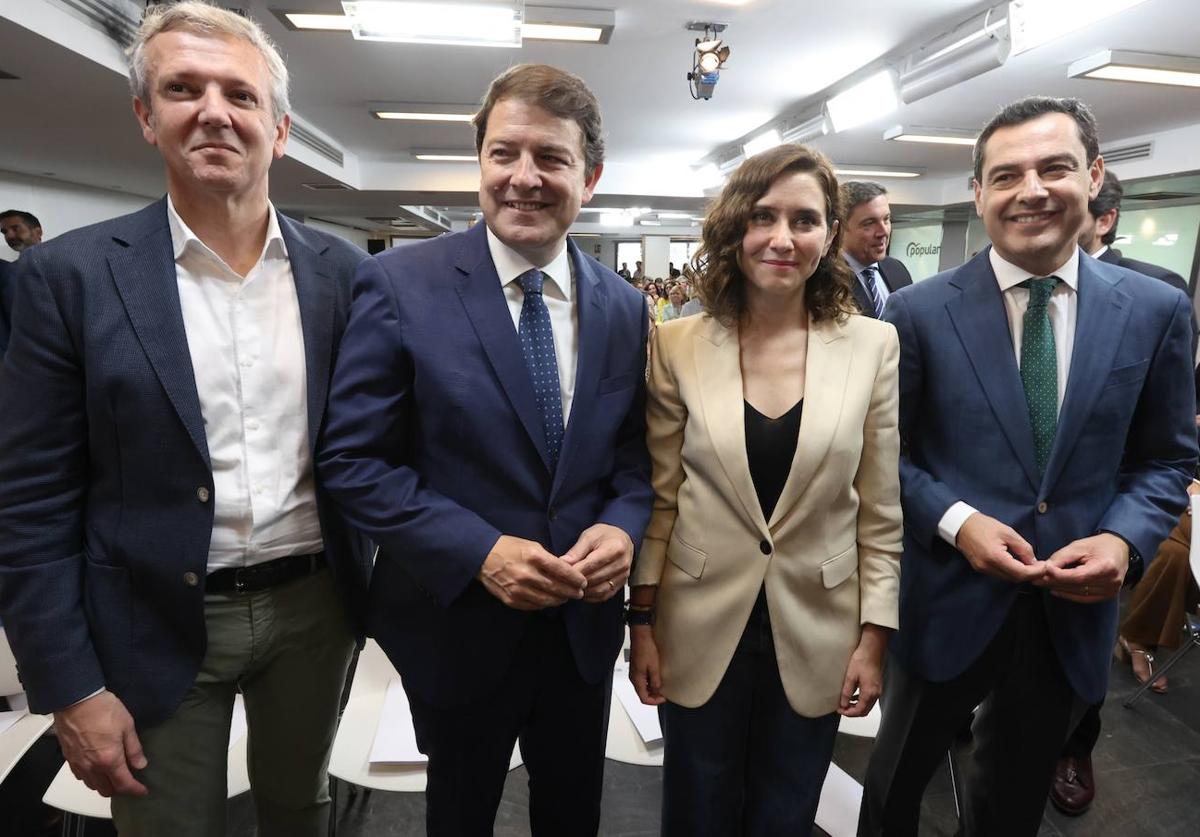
[
  {"x": 29, "y": 218},
  {"x": 857, "y": 192},
  {"x": 1106, "y": 200},
  {"x": 1030, "y": 108}
]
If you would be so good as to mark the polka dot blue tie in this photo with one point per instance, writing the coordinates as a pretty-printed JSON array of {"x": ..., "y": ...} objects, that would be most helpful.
[
  {"x": 1039, "y": 367},
  {"x": 537, "y": 343}
]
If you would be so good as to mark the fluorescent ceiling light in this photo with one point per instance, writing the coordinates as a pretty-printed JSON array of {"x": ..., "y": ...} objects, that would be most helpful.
[
  {"x": 418, "y": 116},
  {"x": 871, "y": 98},
  {"x": 709, "y": 176},
  {"x": 318, "y": 22},
  {"x": 561, "y": 32},
  {"x": 436, "y": 156},
  {"x": 646, "y": 222},
  {"x": 873, "y": 172},
  {"x": 766, "y": 140},
  {"x": 1035, "y": 22},
  {"x": 936, "y": 136},
  {"x": 1143, "y": 67},
  {"x": 495, "y": 24},
  {"x": 614, "y": 219},
  {"x": 675, "y": 216},
  {"x": 541, "y": 23}
]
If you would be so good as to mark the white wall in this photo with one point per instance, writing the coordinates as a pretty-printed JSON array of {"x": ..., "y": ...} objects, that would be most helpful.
[
  {"x": 354, "y": 236},
  {"x": 62, "y": 206},
  {"x": 656, "y": 253}
]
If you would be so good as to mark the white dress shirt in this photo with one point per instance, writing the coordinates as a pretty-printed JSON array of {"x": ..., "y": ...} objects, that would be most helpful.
[
  {"x": 881, "y": 287},
  {"x": 1062, "y": 310},
  {"x": 558, "y": 292},
  {"x": 247, "y": 349}
]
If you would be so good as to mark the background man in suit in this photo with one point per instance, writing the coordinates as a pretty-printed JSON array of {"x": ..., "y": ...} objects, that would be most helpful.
[
  {"x": 1074, "y": 786},
  {"x": 21, "y": 229},
  {"x": 1046, "y": 450},
  {"x": 486, "y": 429},
  {"x": 165, "y": 542},
  {"x": 865, "y": 234}
]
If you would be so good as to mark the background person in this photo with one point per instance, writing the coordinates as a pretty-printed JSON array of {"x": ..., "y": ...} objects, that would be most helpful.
[
  {"x": 866, "y": 232},
  {"x": 771, "y": 561}
]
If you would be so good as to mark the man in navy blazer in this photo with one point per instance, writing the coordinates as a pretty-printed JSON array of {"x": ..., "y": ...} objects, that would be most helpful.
[
  {"x": 163, "y": 541},
  {"x": 866, "y": 231},
  {"x": 1047, "y": 445},
  {"x": 486, "y": 430}
]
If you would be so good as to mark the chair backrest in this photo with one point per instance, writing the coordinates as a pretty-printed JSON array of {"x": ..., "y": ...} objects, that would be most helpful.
[
  {"x": 10, "y": 684},
  {"x": 1194, "y": 551}
]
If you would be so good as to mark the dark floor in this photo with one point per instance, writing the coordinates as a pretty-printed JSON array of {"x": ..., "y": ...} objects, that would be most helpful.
[{"x": 1147, "y": 774}]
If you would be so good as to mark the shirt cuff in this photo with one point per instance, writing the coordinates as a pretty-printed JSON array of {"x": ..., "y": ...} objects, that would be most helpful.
[
  {"x": 953, "y": 520},
  {"x": 89, "y": 697}
]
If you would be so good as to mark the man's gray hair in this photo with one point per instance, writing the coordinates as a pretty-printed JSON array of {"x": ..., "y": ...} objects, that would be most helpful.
[
  {"x": 857, "y": 192},
  {"x": 204, "y": 18}
]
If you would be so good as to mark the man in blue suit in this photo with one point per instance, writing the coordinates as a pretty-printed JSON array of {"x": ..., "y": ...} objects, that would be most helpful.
[
  {"x": 163, "y": 540},
  {"x": 1047, "y": 445},
  {"x": 486, "y": 430}
]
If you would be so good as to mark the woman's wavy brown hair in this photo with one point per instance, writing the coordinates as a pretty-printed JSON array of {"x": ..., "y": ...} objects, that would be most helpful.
[{"x": 719, "y": 280}]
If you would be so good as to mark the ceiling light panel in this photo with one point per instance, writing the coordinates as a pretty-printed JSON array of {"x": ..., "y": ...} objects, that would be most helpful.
[
  {"x": 422, "y": 111},
  {"x": 445, "y": 155},
  {"x": 540, "y": 23},
  {"x": 763, "y": 142},
  {"x": 493, "y": 24},
  {"x": 1036, "y": 22},
  {"x": 1141, "y": 67},
  {"x": 869, "y": 99},
  {"x": 875, "y": 172},
  {"x": 935, "y": 136}
]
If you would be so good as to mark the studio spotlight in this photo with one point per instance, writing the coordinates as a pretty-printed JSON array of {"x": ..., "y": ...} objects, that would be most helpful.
[{"x": 708, "y": 59}]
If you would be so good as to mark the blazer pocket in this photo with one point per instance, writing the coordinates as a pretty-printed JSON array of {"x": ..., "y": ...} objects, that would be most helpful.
[
  {"x": 840, "y": 567},
  {"x": 687, "y": 558},
  {"x": 615, "y": 383},
  {"x": 1127, "y": 374}
]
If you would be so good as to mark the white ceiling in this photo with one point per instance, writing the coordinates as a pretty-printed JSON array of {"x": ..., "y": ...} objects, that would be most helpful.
[{"x": 70, "y": 115}]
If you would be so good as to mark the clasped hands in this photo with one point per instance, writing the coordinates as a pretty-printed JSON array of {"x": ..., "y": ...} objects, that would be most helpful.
[
  {"x": 523, "y": 575},
  {"x": 1086, "y": 571}
]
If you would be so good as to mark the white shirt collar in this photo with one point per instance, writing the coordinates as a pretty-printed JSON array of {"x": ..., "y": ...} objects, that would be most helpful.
[
  {"x": 1008, "y": 275},
  {"x": 1103, "y": 249},
  {"x": 510, "y": 264},
  {"x": 857, "y": 266},
  {"x": 183, "y": 238}
]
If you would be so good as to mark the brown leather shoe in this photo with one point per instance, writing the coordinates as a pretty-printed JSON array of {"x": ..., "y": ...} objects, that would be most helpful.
[{"x": 1074, "y": 788}]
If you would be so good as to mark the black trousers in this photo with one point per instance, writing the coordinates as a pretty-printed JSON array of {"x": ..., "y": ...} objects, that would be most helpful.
[
  {"x": 1087, "y": 733},
  {"x": 1027, "y": 709},
  {"x": 562, "y": 724}
]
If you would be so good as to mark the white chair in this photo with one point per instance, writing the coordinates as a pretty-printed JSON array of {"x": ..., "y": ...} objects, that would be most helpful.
[
  {"x": 1191, "y": 625},
  {"x": 16, "y": 740},
  {"x": 76, "y": 800},
  {"x": 350, "y": 760}
]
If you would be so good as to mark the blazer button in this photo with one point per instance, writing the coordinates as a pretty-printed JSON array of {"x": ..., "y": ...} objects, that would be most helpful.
[
  {"x": 1041, "y": 507},
  {"x": 191, "y": 579},
  {"x": 202, "y": 494},
  {"x": 765, "y": 548}
]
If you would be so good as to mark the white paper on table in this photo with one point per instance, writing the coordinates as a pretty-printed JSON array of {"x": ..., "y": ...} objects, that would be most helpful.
[
  {"x": 237, "y": 726},
  {"x": 645, "y": 718},
  {"x": 7, "y": 719},
  {"x": 841, "y": 796},
  {"x": 395, "y": 740}
]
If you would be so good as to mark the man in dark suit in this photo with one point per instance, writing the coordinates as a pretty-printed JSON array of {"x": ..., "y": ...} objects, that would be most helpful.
[
  {"x": 866, "y": 231},
  {"x": 486, "y": 429},
  {"x": 1046, "y": 448},
  {"x": 21, "y": 230},
  {"x": 5, "y": 307},
  {"x": 1074, "y": 786},
  {"x": 163, "y": 540}
]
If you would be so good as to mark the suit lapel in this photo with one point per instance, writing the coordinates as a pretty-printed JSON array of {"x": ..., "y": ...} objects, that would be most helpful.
[
  {"x": 483, "y": 298},
  {"x": 143, "y": 269},
  {"x": 979, "y": 318},
  {"x": 590, "y": 299},
  {"x": 825, "y": 370},
  {"x": 1101, "y": 312},
  {"x": 315, "y": 293},
  {"x": 719, "y": 373}
]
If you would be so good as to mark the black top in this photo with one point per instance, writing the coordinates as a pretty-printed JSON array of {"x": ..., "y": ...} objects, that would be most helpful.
[{"x": 770, "y": 447}]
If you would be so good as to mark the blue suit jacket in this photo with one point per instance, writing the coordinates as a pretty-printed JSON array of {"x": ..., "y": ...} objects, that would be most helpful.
[
  {"x": 1123, "y": 453},
  {"x": 103, "y": 451},
  {"x": 5, "y": 306},
  {"x": 434, "y": 447}
]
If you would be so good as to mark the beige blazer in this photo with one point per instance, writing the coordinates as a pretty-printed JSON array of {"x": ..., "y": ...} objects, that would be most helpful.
[{"x": 829, "y": 555}]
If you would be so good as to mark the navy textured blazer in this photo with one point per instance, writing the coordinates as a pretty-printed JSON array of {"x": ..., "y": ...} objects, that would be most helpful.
[
  {"x": 434, "y": 448},
  {"x": 104, "y": 529},
  {"x": 1122, "y": 456}
]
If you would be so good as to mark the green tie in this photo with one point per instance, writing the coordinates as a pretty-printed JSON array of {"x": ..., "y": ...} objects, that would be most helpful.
[{"x": 1039, "y": 368}]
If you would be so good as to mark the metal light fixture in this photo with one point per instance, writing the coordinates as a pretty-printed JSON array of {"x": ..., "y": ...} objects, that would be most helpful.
[
  {"x": 708, "y": 59},
  {"x": 936, "y": 136},
  {"x": 1143, "y": 67}
]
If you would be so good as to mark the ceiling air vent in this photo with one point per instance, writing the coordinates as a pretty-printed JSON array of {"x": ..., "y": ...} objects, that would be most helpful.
[
  {"x": 327, "y": 187},
  {"x": 307, "y": 137},
  {"x": 1120, "y": 154},
  {"x": 1161, "y": 196}
]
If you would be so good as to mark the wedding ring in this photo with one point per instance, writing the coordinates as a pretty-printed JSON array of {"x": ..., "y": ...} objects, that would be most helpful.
[{"x": 610, "y": 585}]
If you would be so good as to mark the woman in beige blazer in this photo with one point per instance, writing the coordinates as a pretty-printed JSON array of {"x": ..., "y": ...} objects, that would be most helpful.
[{"x": 768, "y": 578}]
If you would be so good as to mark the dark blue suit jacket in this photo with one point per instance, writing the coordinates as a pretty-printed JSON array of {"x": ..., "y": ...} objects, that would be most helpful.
[
  {"x": 1123, "y": 453},
  {"x": 103, "y": 452},
  {"x": 5, "y": 306},
  {"x": 434, "y": 448}
]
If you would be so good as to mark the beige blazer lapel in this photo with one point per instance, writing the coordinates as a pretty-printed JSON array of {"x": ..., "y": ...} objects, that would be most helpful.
[
  {"x": 825, "y": 370},
  {"x": 719, "y": 373}
]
